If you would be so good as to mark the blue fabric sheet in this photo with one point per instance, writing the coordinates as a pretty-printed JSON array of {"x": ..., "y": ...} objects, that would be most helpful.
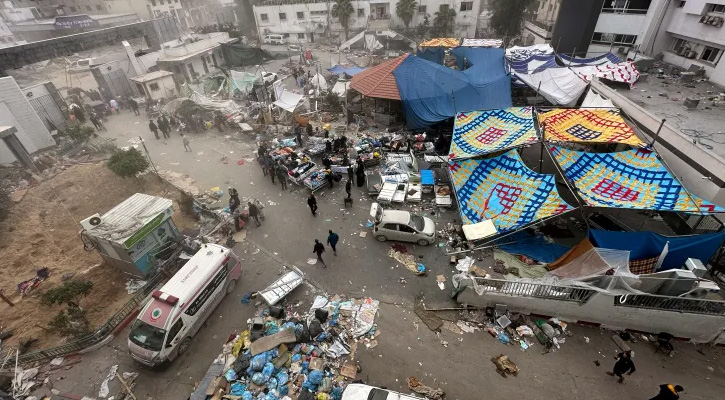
[
  {"x": 432, "y": 93},
  {"x": 533, "y": 246},
  {"x": 350, "y": 71},
  {"x": 434, "y": 54},
  {"x": 643, "y": 245},
  {"x": 535, "y": 63},
  {"x": 426, "y": 177}
]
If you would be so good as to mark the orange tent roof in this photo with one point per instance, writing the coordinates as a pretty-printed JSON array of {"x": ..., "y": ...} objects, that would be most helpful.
[
  {"x": 441, "y": 42},
  {"x": 379, "y": 81}
]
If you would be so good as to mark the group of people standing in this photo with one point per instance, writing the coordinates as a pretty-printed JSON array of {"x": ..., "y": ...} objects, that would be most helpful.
[
  {"x": 271, "y": 167},
  {"x": 163, "y": 124}
]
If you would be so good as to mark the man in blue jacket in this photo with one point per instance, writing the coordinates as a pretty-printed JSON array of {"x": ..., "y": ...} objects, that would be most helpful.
[{"x": 332, "y": 239}]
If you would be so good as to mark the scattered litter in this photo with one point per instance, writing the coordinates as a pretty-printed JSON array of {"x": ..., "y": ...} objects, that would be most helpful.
[
  {"x": 363, "y": 234},
  {"x": 504, "y": 366},
  {"x": 464, "y": 264},
  {"x": 255, "y": 251},
  {"x": 440, "y": 279},
  {"x": 133, "y": 285},
  {"x": 103, "y": 392},
  {"x": 466, "y": 327},
  {"x": 57, "y": 361},
  {"x": 418, "y": 387},
  {"x": 313, "y": 261}
]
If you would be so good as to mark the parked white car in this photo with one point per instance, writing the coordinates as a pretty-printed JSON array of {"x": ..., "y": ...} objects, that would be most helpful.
[
  {"x": 357, "y": 391},
  {"x": 269, "y": 77},
  {"x": 274, "y": 39},
  {"x": 294, "y": 47},
  {"x": 403, "y": 226}
]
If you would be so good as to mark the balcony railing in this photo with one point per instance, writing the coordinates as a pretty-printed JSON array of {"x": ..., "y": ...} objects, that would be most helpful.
[
  {"x": 669, "y": 303},
  {"x": 541, "y": 291},
  {"x": 547, "y": 26},
  {"x": 622, "y": 10}
]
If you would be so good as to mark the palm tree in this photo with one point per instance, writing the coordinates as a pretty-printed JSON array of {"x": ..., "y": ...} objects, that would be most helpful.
[
  {"x": 342, "y": 10},
  {"x": 444, "y": 20},
  {"x": 405, "y": 9}
]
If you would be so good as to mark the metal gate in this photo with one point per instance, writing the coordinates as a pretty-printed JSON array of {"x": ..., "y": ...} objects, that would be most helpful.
[
  {"x": 49, "y": 112},
  {"x": 118, "y": 83}
]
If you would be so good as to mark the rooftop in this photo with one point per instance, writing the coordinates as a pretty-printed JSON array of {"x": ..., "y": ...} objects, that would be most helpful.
[
  {"x": 124, "y": 220},
  {"x": 101, "y": 18},
  {"x": 664, "y": 96},
  {"x": 151, "y": 76}
]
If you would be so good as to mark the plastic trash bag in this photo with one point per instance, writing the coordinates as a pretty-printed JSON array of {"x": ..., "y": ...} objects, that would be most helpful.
[
  {"x": 268, "y": 371},
  {"x": 272, "y": 383},
  {"x": 258, "y": 362},
  {"x": 315, "y": 377},
  {"x": 230, "y": 375},
  {"x": 259, "y": 378},
  {"x": 238, "y": 389},
  {"x": 282, "y": 377},
  {"x": 247, "y": 395}
]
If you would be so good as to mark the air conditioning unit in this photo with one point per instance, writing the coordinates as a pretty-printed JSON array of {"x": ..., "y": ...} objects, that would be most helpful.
[
  {"x": 718, "y": 21},
  {"x": 696, "y": 267},
  {"x": 91, "y": 222},
  {"x": 690, "y": 54}
]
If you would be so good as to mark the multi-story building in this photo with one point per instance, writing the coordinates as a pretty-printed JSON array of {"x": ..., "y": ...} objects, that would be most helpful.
[
  {"x": 692, "y": 33},
  {"x": 302, "y": 21},
  {"x": 594, "y": 26}
]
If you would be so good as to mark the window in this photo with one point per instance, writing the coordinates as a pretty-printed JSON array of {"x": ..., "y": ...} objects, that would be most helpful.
[
  {"x": 283, "y": 16},
  {"x": 613, "y": 38},
  {"x": 264, "y": 17},
  {"x": 466, "y": 5},
  {"x": 391, "y": 227},
  {"x": 406, "y": 228},
  {"x": 176, "y": 1},
  {"x": 300, "y": 15},
  {"x": 681, "y": 4},
  {"x": 99, "y": 8},
  {"x": 175, "y": 329},
  {"x": 154, "y": 87},
  {"x": 72, "y": 9},
  {"x": 300, "y": 36},
  {"x": 443, "y": 7},
  {"x": 89, "y": 8},
  {"x": 717, "y": 8},
  {"x": 153, "y": 3},
  {"x": 321, "y": 12},
  {"x": 680, "y": 45},
  {"x": 360, "y": 12},
  {"x": 422, "y": 9},
  {"x": 210, "y": 288},
  {"x": 711, "y": 54},
  {"x": 161, "y": 2}
]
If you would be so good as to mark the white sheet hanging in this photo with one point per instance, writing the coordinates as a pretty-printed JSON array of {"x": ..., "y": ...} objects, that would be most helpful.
[{"x": 560, "y": 86}]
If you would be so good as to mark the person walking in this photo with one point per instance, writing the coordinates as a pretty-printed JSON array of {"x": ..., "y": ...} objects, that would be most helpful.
[
  {"x": 624, "y": 365},
  {"x": 330, "y": 178},
  {"x": 162, "y": 127},
  {"x": 312, "y": 203},
  {"x": 253, "y": 212},
  {"x": 134, "y": 106},
  {"x": 187, "y": 146},
  {"x": 348, "y": 188},
  {"x": 332, "y": 240},
  {"x": 94, "y": 120},
  {"x": 114, "y": 106},
  {"x": 154, "y": 128},
  {"x": 669, "y": 392},
  {"x": 350, "y": 173},
  {"x": 282, "y": 176},
  {"x": 319, "y": 249},
  {"x": 271, "y": 169}
]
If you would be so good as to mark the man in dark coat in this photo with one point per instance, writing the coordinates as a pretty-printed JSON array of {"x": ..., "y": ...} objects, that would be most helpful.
[
  {"x": 348, "y": 188},
  {"x": 669, "y": 392},
  {"x": 624, "y": 365},
  {"x": 282, "y": 176},
  {"x": 332, "y": 240},
  {"x": 312, "y": 203},
  {"x": 253, "y": 212},
  {"x": 319, "y": 249},
  {"x": 154, "y": 128}
]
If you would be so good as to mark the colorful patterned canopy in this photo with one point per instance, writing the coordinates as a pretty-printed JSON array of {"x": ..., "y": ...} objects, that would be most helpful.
[
  {"x": 477, "y": 133},
  {"x": 587, "y": 125},
  {"x": 441, "y": 42},
  {"x": 628, "y": 179},
  {"x": 504, "y": 190}
]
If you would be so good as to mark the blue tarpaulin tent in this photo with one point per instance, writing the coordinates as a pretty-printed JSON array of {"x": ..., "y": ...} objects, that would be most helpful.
[
  {"x": 431, "y": 93},
  {"x": 643, "y": 245},
  {"x": 434, "y": 54}
]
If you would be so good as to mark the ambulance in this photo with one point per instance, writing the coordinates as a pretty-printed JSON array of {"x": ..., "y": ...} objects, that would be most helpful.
[{"x": 165, "y": 326}]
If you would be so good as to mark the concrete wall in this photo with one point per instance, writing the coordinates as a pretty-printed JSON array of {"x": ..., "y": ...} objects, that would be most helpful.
[
  {"x": 624, "y": 24},
  {"x": 15, "y": 110},
  {"x": 600, "y": 309},
  {"x": 166, "y": 88},
  {"x": 137, "y": 7},
  {"x": 48, "y": 104}
]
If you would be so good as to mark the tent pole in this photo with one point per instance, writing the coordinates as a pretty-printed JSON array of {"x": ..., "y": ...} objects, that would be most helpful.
[
  {"x": 689, "y": 195},
  {"x": 566, "y": 180},
  {"x": 657, "y": 135}
]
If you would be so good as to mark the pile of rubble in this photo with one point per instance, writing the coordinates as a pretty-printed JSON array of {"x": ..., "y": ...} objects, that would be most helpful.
[{"x": 306, "y": 357}]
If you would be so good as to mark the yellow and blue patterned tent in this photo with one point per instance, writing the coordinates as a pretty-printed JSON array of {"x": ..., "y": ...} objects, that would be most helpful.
[
  {"x": 634, "y": 179},
  {"x": 587, "y": 125},
  {"x": 504, "y": 190},
  {"x": 477, "y": 133}
]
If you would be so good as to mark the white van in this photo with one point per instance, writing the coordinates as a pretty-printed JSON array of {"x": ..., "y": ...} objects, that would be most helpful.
[
  {"x": 275, "y": 39},
  {"x": 165, "y": 326}
]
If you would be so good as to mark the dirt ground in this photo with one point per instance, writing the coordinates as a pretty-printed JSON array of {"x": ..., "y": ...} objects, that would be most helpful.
[{"x": 41, "y": 231}]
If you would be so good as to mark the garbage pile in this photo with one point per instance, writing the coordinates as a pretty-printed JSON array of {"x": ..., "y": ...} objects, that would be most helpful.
[{"x": 307, "y": 357}]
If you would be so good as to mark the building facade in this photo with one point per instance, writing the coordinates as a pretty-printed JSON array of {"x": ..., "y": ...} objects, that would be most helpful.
[
  {"x": 693, "y": 34},
  {"x": 190, "y": 61},
  {"x": 305, "y": 21}
]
